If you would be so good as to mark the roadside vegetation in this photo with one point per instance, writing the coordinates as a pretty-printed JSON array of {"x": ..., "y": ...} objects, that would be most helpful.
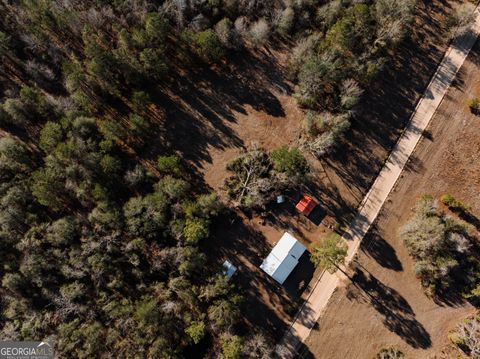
[
  {"x": 455, "y": 205},
  {"x": 334, "y": 64},
  {"x": 100, "y": 250},
  {"x": 444, "y": 248},
  {"x": 330, "y": 252},
  {"x": 474, "y": 105},
  {"x": 461, "y": 20}
]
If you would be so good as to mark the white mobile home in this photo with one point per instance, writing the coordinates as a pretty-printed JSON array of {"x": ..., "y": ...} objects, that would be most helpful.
[{"x": 283, "y": 258}]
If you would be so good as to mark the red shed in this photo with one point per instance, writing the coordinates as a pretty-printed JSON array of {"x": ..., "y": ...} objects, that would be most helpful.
[{"x": 306, "y": 205}]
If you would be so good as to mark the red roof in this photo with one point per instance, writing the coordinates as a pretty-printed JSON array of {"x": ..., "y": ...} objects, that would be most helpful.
[{"x": 306, "y": 205}]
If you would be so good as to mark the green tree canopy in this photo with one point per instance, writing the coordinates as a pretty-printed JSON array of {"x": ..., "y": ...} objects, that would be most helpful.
[
  {"x": 330, "y": 252},
  {"x": 289, "y": 161}
]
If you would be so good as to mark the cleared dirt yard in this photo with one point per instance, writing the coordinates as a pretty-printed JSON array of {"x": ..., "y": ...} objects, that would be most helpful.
[{"x": 396, "y": 311}]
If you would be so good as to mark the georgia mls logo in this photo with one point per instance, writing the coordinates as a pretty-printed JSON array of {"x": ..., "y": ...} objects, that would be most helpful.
[{"x": 26, "y": 350}]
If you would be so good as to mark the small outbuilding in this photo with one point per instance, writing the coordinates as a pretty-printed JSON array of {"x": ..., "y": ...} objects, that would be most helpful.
[
  {"x": 306, "y": 205},
  {"x": 228, "y": 269},
  {"x": 283, "y": 258}
]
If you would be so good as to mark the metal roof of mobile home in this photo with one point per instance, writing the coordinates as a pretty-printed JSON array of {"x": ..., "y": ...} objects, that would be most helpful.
[{"x": 283, "y": 258}]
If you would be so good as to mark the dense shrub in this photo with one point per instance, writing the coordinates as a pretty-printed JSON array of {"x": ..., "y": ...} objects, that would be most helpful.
[
  {"x": 389, "y": 353},
  {"x": 289, "y": 161},
  {"x": 454, "y": 204},
  {"x": 474, "y": 105},
  {"x": 440, "y": 246}
]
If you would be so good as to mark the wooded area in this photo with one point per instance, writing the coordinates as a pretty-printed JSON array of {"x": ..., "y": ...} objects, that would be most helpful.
[{"x": 101, "y": 249}]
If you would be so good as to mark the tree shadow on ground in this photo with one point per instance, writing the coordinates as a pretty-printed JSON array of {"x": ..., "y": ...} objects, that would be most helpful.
[
  {"x": 329, "y": 199},
  {"x": 304, "y": 353},
  {"x": 388, "y": 103},
  {"x": 294, "y": 348},
  {"x": 468, "y": 217},
  {"x": 450, "y": 296},
  {"x": 300, "y": 277},
  {"x": 398, "y": 316},
  {"x": 414, "y": 164},
  {"x": 198, "y": 119},
  {"x": 267, "y": 304},
  {"x": 285, "y": 215},
  {"x": 201, "y": 103},
  {"x": 375, "y": 246}
]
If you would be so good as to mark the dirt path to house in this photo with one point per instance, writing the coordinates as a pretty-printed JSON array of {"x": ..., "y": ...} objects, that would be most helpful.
[{"x": 375, "y": 198}]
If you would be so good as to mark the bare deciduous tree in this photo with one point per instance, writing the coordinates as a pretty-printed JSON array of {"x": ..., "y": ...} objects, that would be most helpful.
[
  {"x": 323, "y": 144},
  {"x": 252, "y": 167},
  {"x": 227, "y": 34},
  {"x": 461, "y": 20},
  {"x": 285, "y": 20},
  {"x": 258, "y": 347},
  {"x": 241, "y": 26},
  {"x": 392, "y": 17},
  {"x": 350, "y": 93},
  {"x": 259, "y": 32},
  {"x": 467, "y": 336},
  {"x": 330, "y": 252}
]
